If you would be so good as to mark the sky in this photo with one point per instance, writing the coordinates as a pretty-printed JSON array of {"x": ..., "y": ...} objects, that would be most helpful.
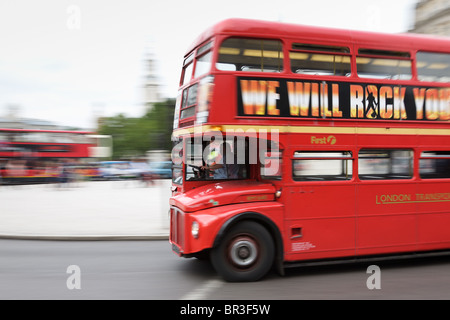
[{"x": 70, "y": 61}]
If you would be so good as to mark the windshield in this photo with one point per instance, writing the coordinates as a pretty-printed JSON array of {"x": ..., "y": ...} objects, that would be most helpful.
[
  {"x": 217, "y": 157},
  {"x": 216, "y": 160}
]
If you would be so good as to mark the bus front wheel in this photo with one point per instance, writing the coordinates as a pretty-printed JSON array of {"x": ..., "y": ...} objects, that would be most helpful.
[{"x": 246, "y": 253}]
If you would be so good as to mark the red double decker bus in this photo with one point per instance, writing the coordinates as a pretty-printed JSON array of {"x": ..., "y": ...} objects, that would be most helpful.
[
  {"x": 296, "y": 144},
  {"x": 32, "y": 155}
]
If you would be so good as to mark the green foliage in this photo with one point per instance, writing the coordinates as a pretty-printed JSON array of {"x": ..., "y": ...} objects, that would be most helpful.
[{"x": 133, "y": 137}]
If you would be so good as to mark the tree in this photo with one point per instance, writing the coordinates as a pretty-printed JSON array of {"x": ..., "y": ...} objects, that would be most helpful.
[{"x": 133, "y": 137}]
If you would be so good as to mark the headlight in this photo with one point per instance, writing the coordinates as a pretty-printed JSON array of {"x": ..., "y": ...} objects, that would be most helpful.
[{"x": 195, "y": 229}]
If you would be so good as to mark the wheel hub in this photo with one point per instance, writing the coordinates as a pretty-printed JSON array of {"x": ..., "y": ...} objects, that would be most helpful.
[{"x": 243, "y": 252}]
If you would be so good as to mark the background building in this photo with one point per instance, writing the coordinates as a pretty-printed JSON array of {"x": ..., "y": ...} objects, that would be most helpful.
[
  {"x": 12, "y": 119},
  {"x": 152, "y": 87},
  {"x": 432, "y": 17}
]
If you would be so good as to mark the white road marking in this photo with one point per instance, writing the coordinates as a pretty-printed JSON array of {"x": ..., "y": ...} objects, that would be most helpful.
[{"x": 203, "y": 291}]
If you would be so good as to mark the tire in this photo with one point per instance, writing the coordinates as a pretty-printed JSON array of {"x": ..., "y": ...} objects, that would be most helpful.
[
  {"x": 246, "y": 253},
  {"x": 202, "y": 255}
]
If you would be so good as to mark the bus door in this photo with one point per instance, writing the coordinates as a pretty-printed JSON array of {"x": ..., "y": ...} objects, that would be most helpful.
[
  {"x": 320, "y": 209},
  {"x": 386, "y": 212}
]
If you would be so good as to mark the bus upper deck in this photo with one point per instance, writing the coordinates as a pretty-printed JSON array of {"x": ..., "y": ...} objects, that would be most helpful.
[{"x": 285, "y": 73}]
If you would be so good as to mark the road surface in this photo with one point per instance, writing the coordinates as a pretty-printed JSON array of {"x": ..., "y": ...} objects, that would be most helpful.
[{"x": 148, "y": 270}]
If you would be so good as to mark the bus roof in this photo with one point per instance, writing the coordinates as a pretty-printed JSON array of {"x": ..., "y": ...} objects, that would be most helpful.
[{"x": 268, "y": 29}]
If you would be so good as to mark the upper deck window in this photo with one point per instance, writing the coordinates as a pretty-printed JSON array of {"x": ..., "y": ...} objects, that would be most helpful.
[
  {"x": 251, "y": 55},
  {"x": 382, "y": 64},
  {"x": 203, "y": 64},
  {"x": 320, "y": 60},
  {"x": 204, "y": 58},
  {"x": 188, "y": 67},
  {"x": 433, "y": 66}
]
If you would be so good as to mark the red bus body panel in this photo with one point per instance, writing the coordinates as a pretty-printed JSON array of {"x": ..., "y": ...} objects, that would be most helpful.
[{"x": 212, "y": 220}]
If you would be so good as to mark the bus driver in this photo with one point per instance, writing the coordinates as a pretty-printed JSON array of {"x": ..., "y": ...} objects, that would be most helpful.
[{"x": 215, "y": 161}]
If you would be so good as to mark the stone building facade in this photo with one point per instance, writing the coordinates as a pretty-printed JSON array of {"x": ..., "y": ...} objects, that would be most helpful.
[{"x": 432, "y": 17}]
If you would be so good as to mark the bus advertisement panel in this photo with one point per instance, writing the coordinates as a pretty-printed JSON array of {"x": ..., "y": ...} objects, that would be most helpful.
[{"x": 271, "y": 97}]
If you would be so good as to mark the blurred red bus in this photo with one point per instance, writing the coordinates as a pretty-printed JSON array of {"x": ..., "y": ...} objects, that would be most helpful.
[
  {"x": 357, "y": 124},
  {"x": 34, "y": 155}
]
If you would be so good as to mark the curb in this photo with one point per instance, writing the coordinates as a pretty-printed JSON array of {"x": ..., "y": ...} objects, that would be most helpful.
[{"x": 84, "y": 238}]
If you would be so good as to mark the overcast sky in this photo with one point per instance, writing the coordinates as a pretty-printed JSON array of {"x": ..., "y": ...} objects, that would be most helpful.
[{"x": 66, "y": 60}]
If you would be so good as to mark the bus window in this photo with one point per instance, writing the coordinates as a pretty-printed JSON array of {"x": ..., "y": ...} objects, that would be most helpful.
[
  {"x": 309, "y": 59},
  {"x": 189, "y": 102},
  {"x": 433, "y": 66},
  {"x": 250, "y": 55},
  {"x": 435, "y": 165},
  {"x": 380, "y": 64},
  {"x": 212, "y": 160},
  {"x": 188, "y": 67},
  {"x": 385, "y": 164},
  {"x": 177, "y": 161},
  {"x": 203, "y": 60},
  {"x": 203, "y": 65},
  {"x": 322, "y": 166}
]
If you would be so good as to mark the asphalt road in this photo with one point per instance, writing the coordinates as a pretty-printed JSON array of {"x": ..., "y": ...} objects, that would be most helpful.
[{"x": 148, "y": 270}]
